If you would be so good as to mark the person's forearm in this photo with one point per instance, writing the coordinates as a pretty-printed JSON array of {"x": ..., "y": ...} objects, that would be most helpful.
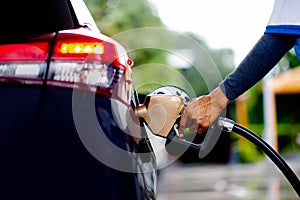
[{"x": 261, "y": 59}]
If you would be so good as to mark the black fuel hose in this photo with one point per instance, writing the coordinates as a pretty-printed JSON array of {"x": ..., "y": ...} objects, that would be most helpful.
[
  {"x": 271, "y": 153},
  {"x": 175, "y": 146}
]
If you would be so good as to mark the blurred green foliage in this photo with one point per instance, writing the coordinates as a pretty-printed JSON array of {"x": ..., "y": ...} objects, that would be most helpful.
[
  {"x": 126, "y": 22},
  {"x": 116, "y": 16}
]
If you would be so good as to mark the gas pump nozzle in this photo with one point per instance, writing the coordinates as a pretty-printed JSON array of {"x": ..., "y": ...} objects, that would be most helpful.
[{"x": 161, "y": 112}]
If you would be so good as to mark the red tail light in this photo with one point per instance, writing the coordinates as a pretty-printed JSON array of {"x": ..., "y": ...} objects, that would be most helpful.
[
  {"x": 75, "y": 60},
  {"x": 34, "y": 51},
  {"x": 80, "y": 61},
  {"x": 24, "y": 62}
]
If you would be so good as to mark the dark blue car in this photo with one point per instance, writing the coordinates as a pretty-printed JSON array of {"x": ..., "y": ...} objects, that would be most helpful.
[{"x": 67, "y": 124}]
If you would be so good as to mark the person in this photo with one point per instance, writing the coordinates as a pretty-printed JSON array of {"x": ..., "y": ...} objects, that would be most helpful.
[{"x": 280, "y": 36}]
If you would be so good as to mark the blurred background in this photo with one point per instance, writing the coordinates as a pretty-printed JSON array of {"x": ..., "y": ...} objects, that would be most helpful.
[{"x": 226, "y": 31}]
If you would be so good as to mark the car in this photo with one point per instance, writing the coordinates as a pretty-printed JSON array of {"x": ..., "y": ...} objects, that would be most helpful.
[{"x": 67, "y": 123}]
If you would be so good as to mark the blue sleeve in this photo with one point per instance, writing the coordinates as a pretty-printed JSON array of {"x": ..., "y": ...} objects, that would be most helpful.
[{"x": 266, "y": 53}]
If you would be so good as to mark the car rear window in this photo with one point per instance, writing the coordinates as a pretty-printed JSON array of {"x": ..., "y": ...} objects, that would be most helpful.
[{"x": 26, "y": 17}]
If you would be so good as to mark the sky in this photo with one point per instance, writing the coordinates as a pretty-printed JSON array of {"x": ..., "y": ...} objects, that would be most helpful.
[{"x": 235, "y": 24}]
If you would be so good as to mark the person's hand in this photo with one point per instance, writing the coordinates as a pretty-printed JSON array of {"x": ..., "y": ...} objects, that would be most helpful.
[{"x": 202, "y": 111}]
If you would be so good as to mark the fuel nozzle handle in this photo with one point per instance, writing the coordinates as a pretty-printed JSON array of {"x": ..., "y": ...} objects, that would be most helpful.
[{"x": 175, "y": 145}]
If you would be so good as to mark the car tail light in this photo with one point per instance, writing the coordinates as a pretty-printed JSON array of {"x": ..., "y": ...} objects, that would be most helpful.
[
  {"x": 84, "y": 62},
  {"x": 74, "y": 60},
  {"x": 23, "y": 62}
]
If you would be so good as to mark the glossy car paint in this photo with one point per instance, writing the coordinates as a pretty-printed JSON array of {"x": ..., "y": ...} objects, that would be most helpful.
[{"x": 42, "y": 152}]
